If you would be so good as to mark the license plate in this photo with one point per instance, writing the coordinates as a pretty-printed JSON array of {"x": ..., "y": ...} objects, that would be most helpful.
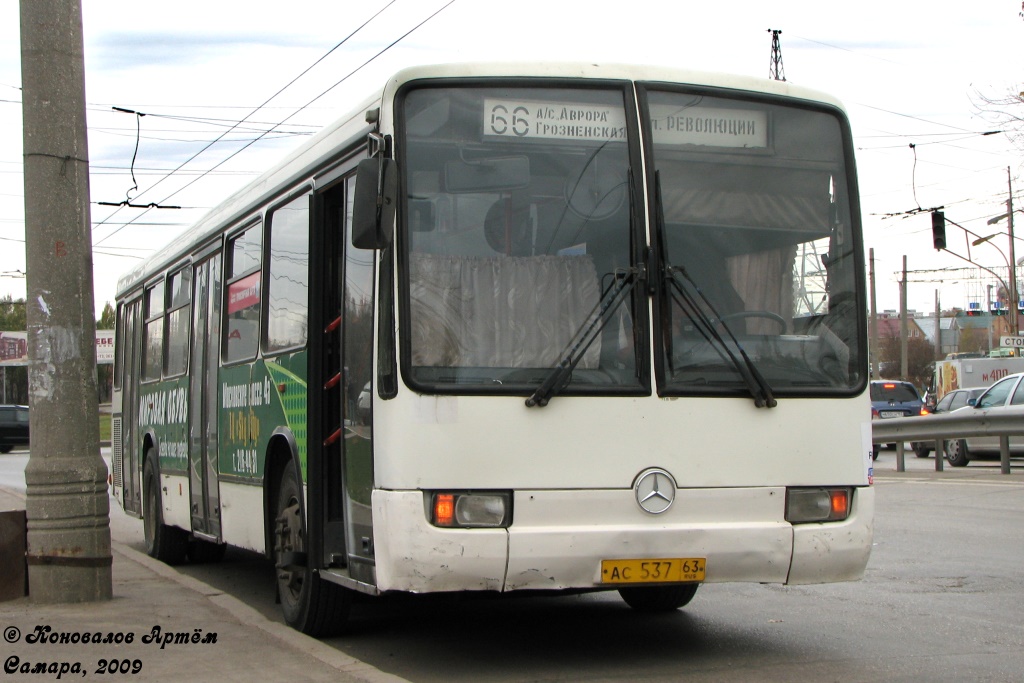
[
  {"x": 891, "y": 413},
  {"x": 674, "y": 570}
]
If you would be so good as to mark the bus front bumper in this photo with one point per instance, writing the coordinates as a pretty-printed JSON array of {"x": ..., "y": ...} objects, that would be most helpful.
[{"x": 558, "y": 539}]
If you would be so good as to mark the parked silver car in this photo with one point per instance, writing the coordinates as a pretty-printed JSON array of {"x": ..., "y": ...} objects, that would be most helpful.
[
  {"x": 1007, "y": 392},
  {"x": 953, "y": 400}
]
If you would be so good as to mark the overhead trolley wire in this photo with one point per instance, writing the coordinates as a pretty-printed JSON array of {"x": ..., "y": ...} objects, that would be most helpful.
[{"x": 225, "y": 133}]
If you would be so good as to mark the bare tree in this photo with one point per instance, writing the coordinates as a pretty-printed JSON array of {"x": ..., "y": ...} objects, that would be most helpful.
[
  {"x": 1004, "y": 110},
  {"x": 920, "y": 356}
]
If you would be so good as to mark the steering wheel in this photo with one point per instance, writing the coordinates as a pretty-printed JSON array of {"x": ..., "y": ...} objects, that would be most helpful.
[{"x": 774, "y": 317}]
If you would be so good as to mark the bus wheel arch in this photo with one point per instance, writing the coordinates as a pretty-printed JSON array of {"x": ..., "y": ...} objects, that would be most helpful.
[
  {"x": 163, "y": 542},
  {"x": 309, "y": 604},
  {"x": 280, "y": 455}
]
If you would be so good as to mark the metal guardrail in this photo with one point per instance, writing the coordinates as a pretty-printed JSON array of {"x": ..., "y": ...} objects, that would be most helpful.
[{"x": 959, "y": 424}]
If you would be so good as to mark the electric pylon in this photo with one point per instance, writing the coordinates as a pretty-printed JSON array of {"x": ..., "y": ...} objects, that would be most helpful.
[{"x": 775, "y": 69}]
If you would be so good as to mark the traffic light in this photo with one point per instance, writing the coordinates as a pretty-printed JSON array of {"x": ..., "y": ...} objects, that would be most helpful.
[
  {"x": 998, "y": 308},
  {"x": 939, "y": 229},
  {"x": 973, "y": 308}
]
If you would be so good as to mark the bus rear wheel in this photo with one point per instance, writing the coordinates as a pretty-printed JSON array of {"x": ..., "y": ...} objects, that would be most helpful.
[
  {"x": 654, "y": 599},
  {"x": 166, "y": 543},
  {"x": 310, "y": 604}
]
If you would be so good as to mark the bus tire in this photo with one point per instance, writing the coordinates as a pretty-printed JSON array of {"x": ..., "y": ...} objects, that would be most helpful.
[
  {"x": 166, "y": 543},
  {"x": 310, "y": 604},
  {"x": 956, "y": 453},
  {"x": 654, "y": 599}
]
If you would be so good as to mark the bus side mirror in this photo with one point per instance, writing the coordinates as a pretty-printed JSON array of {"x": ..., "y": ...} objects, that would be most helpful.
[{"x": 374, "y": 204}]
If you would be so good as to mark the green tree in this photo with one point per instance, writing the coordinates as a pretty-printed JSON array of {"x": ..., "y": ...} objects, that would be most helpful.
[
  {"x": 12, "y": 314},
  {"x": 107, "y": 318}
]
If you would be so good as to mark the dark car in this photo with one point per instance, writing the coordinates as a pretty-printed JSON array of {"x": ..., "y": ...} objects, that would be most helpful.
[
  {"x": 953, "y": 400},
  {"x": 13, "y": 427},
  {"x": 893, "y": 398}
]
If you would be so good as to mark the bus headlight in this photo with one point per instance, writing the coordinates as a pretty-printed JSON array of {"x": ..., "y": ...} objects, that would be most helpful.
[
  {"x": 818, "y": 504},
  {"x": 471, "y": 510}
]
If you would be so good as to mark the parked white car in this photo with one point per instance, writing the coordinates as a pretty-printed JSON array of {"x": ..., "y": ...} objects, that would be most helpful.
[
  {"x": 1007, "y": 392},
  {"x": 957, "y": 399},
  {"x": 363, "y": 404}
]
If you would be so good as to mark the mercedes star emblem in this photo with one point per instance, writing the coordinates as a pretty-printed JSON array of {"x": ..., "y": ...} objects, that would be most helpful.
[{"x": 655, "y": 490}]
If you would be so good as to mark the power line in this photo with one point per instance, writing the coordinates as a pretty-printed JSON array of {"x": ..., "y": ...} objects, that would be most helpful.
[
  {"x": 935, "y": 142},
  {"x": 846, "y": 49},
  {"x": 289, "y": 84},
  {"x": 915, "y": 118}
]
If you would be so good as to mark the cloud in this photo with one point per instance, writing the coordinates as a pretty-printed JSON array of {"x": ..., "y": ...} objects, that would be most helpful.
[{"x": 124, "y": 50}]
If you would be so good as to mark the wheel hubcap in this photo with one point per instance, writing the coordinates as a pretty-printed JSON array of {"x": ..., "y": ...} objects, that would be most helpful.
[{"x": 288, "y": 535}]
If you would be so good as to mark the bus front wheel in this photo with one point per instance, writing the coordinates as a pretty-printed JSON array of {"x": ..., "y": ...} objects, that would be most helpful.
[
  {"x": 166, "y": 543},
  {"x": 310, "y": 604},
  {"x": 653, "y": 599}
]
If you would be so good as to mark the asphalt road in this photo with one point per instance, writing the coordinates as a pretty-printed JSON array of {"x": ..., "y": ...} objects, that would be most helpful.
[{"x": 942, "y": 600}]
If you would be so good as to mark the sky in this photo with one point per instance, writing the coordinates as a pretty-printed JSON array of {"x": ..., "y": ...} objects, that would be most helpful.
[{"x": 913, "y": 77}]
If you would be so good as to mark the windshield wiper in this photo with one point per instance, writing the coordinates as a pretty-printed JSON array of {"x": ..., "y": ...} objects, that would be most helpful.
[
  {"x": 558, "y": 378},
  {"x": 707, "y": 325}
]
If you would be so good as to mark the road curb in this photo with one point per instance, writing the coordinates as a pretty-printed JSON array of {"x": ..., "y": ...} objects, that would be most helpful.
[{"x": 249, "y": 617}]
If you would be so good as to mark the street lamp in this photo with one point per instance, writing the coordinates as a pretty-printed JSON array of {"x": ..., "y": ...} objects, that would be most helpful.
[
  {"x": 1011, "y": 289},
  {"x": 1011, "y": 292},
  {"x": 1011, "y": 265}
]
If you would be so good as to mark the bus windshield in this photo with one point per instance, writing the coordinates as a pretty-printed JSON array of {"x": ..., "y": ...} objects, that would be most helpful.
[
  {"x": 525, "y": 211},
  {"x": 757, "y": 247},
  {"x": 517, "y": 228}
]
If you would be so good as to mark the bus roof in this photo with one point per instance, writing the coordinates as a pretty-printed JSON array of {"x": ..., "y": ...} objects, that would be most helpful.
[{"x": 333, "y": 140}]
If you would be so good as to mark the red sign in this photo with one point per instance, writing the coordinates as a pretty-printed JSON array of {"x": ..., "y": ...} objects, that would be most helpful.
[{"x": 244, "y": 293}]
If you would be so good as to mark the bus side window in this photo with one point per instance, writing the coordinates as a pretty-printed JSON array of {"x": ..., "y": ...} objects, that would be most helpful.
[
  {"x": 179, "y": 319},
  {"x": 242, "y": 328},
  {"x": 153, "y": 357},
  {"x": 288, "y": 283}
]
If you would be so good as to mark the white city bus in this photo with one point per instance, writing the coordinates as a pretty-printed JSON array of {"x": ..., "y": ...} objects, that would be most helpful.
[{"x": 516, "y": 327}]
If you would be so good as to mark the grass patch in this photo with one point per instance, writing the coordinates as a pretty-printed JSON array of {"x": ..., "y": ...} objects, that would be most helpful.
[{"x": 104, "y": 426}]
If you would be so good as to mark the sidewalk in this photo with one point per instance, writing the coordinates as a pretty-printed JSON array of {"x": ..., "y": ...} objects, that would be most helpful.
[{"x": 147, "y": 595}]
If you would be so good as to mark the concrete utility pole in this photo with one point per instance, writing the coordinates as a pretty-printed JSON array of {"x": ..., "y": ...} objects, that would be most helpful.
[
  {"x": 904, "y": 371},
  {"x": 67, "y": 506},
  {"x": 1013, "y": 294},
  {"x": 873, "y": 354}
]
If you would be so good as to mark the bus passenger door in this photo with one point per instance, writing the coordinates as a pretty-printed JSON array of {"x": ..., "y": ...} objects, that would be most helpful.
[
  {"x": 346, "y": 366},
  {"x": 203, "y": 396},
  {"x": 131, "y": 459}
]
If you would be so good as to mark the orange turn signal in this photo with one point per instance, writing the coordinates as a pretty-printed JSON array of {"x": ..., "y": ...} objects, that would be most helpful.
[
  {"x": 840, "y": 503},
  {"x": 444, "y": 509}
]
